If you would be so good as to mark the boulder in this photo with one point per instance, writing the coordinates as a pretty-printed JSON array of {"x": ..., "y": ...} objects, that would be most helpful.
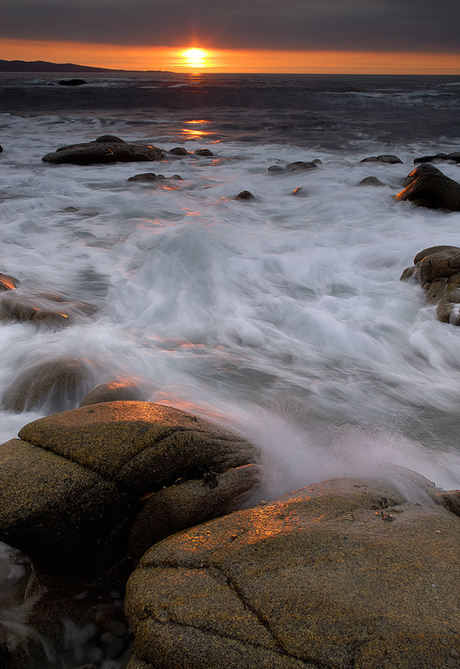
[
  {"x": 203, "y": 152},
  {"x": 370, "y": 181},
  {"x": 385, "y": 158},
  {"x": 425, "y": 168},
  {"x": 104, "y": 149},
  {"x": 115, "y": 391},
  {"x": 57, "y": 384},
  {"x": 432, "y": 190},
  {"x": 74, "y": 484},
  {"x": 179, "y": 151},
  {"x": 299, "y": 165},
  {"x": 437, "y": 270},
  {"x": 439, "y": 157},
  {"x": 48, "y": 309},
  {"x": 245, "y": 195},
  {"x": 151, "y": 176},
  {"x": 72, "y": 82},
  {"x": 345, "y": 573}
]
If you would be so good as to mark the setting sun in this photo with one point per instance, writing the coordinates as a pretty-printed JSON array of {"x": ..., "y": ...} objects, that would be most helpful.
[{"x": 195, "y": 57}]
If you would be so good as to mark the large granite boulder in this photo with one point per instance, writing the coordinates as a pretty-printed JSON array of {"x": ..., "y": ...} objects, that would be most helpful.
[
  {"x": 433, "y": 190},
  {"x": 114, "y": 391},
  {"x": 83, "y": 492},
  {"x": 437, "y": 270},
  {"x": 104, "y": 149},
  {"x": 342, "y": 574}
]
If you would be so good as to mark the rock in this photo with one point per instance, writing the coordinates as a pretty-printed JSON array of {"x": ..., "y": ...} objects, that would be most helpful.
[
  {"x": 301, "y": 165},
  {"x": 299, "y": 191},
  {"x": 425, "y": 168},
  {"x": 437, "y": 269},
  {"x": 441, "y": 157},
  {"x": 370, "y": 181},
  {"x": 180, "y": 151},
  {"x": 43, "y": 308},
  {"x": 340, "y": 574},
  {"x": 104, "y": 149},
  {"x": 432, "y": 190},
  {"x": 203, "y": 152},
  {"x": 57, "y": 384},
  {"x": 275, "y": 169},
  {"x": 72, "y": 82},
  {"x": 385, "y": 158},
  {"x": 7, "y": 282},
  {"x": 245, "y": 195},
  {"x": 1, "y": 148},
  {"x": 450, "y": 499},
  {"x": 115, "y": 391},
  {"x": 151, "y": 176},
  {"x": 73, "y": 484}
]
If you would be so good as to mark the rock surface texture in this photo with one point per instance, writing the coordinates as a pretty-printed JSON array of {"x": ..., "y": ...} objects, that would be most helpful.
[
  {"x": 74, "y": 487},
  {"x": 341, "y": 575},
  {"x": 437, "y": 270},
  {"x": 104, "y": 149}
]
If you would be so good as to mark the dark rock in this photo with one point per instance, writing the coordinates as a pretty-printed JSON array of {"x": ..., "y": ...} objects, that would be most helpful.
[
  {"x": 299, "y": 192},
  {"x": 72, "y": 82},
  {"x": 245, "y": 195},
  {"x": 115, "y": 391},
  {"x": 203, "y": 152},
  {"x": 180, "y": 151},
  {"x": 1, "y": 148},
  {"x": 425, "y": 168},
  {"x": 435, "y": 191},
  {"x": 105, "y": 149},
  {"x": 300, "y": 165},
  {"x": 43, "y": 308},
  {"x": 73, "y": 484},
  {"x": 440, "y": 157},
  {"x": 146, "y": 176},
  {"x": 385, "y": 158},
  {"x": 316, "y": 578},
  {"x": 57, "y": 384},
  {"x": 450, "y": 499},
  {"x": 275, "y": 169},
  {"x": 370, "y": 181},
  {"x": 7, "y": 282}
]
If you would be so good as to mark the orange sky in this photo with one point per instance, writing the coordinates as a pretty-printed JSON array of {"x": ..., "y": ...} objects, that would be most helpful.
[{"x": 167, "y": 58}]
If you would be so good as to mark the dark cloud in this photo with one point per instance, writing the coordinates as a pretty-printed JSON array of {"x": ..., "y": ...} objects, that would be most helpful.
[{"x": 387, "y": 25}]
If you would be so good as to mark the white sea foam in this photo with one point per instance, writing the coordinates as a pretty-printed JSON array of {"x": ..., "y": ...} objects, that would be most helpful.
[{"x": 284, "y": 309}]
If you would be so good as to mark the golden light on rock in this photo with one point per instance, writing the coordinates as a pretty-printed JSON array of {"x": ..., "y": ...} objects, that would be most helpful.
[{"x": 195, "y": 57}]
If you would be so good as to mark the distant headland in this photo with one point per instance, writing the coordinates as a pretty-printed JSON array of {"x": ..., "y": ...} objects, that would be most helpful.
[{"x": 43, "y": 66}]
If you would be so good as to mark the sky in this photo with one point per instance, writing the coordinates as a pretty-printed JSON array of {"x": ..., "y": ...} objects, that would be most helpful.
[{"x": 376, "y": 36}]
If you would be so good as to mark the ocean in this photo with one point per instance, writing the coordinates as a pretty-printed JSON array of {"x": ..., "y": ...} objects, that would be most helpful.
[{"x": 281, "y": 317}]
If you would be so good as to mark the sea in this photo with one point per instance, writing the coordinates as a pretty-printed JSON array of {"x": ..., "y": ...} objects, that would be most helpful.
[{"x": 281, "y": 317}]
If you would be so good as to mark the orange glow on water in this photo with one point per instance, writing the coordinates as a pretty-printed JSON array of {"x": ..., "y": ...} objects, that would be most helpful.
[{"x": 219, "y": 60}]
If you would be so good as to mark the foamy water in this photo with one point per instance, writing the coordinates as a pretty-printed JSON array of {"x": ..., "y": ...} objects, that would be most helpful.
[{"x": 282, "y": 316}]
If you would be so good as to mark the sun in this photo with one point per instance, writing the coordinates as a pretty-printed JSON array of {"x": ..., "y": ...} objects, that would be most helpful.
[{"x": 195, "y": 57}]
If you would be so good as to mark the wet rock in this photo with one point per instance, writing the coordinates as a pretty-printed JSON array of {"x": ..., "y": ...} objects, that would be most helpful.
[
  {"x": 425, "y": 168},
  {"x": 299, "y": 165},
  {"x": 437, "y": 270},
  {"x": 370, "y": 181},
  {"x": 104, "y": 149},
  {"x": 43, "y": 308},
  {"x": 203, "y": 152},
  {"x": 151, "y": 176},
  {"x": 299, "y": 192},
  {"x": 453, "y": 157},
  {"x": 72, "y": 82},
  {"x": 275, "y": 169},
  {"x": 57, "y": 384},
  {"x": 432, "y": 190},
  {"x": 450, "y": 499},
  {"x": 315, "y": 578},
  {"x": 385, "y": 158},
  {"x": 74, "y": 483},
  {"x": 180, "y": 151},
  {"x": 245, "y": 195},
  {"x": 1, "y": 148},
  {"x": 115, "y": 391},
  {"x": 7, "y": 282}
]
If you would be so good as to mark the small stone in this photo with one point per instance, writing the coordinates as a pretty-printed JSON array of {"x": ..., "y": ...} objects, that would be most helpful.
[
  {"x": 203, "y": 152},
  {"x": 245, "y": 195},
  {"x": 107, "y": 638},
  {"x": 179, "y": 151},
  {"x": 117, "y": 628}
]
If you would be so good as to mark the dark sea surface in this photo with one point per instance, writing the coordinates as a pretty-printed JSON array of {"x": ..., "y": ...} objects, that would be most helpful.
[{"x": 281, "y": 317}]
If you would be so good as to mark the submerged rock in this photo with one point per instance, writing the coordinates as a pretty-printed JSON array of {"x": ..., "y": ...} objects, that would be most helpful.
[
  {"x": 343, "y": 573},
  {"x": 431, "y": 189},
  {"x": 104, "y": 149},
  {"x": 179, "y": 151},
  {"x": 203, "y": 152},
  {"x": 370, "y": 181},
  {"x": 57, "y": 384},
  {"x": 437, "y": 270},
  {"x": 43, "y": 308},
  {"x": 115, "y": 391},
  {"x": 439, "y": 157},
  {"x": 245, "y": 195},
  {"x": 74, "y": 485},
  {"x": 72, "y": 82},
  {"x": 7, "y": 282},
  {"x": 384, "y": 158}
]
